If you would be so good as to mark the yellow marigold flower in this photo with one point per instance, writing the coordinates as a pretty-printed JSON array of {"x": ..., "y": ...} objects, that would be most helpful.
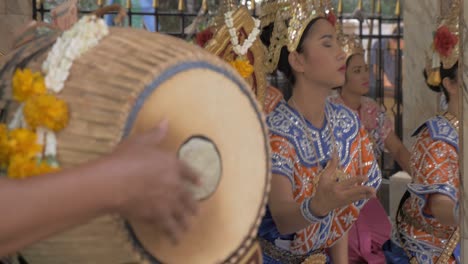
[
  {"x": 46, "y": 111},
  {"x": 21, "y": 167},
  {"x": 243, "y": 66},
  {"x": 23, "y": 142},
  {"x": 4, "y": 147},
  {"x": 27, "y": 84}
]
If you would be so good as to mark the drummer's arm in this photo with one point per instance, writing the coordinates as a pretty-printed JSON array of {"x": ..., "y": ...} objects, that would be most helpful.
[
  {"x": 138, "y": 180},
  {"x": 339, "y": 251},
  {"x": 38, "y": 207}
]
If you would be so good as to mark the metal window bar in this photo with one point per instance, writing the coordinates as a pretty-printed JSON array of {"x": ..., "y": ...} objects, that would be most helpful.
[
  {"x": 388, "y": 166},
  {"x": 39, "y": 12}
]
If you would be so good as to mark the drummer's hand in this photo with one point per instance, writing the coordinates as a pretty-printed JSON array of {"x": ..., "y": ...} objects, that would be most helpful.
[
  {"x": 331, "y": 194},
  {"x": 155, "y": 184}
]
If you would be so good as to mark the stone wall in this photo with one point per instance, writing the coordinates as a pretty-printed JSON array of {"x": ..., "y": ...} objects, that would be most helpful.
[{"x": 419, "y": 103}]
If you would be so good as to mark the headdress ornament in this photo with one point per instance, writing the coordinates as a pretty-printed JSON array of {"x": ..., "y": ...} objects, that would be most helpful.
[
  {"x": 290, "y": 19},
  {"x": 350, "y": 42},
  {"x": 445, "y": 48}
]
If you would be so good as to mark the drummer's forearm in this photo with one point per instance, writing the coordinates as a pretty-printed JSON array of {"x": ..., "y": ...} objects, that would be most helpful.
[{"x": 36, "y": 208}]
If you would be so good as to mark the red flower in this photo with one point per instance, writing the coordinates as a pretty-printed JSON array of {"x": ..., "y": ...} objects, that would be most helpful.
[
  {"x": 444, "y": 41},
  {"x": 203, "y": 37},
  {"x": 331, "y": 18}
]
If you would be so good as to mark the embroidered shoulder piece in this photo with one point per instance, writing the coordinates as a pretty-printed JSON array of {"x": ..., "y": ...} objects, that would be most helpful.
[
  {"x": 422, "y": 190},
  {"x": 441, "y": 129},
  {"x": 285, "y": 122}
]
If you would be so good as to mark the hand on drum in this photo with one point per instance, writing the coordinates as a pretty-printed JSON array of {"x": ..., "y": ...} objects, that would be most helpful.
[
  {"x": 332, "y": 194},
  {"x": 154, "y": 184}
]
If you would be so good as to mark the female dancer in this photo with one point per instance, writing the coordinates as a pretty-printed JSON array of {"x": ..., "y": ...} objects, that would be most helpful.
[
  {"x": 427, "y": 220},
  {"x": 373, "y": 228},
  {"x": 322, "y": 162}
]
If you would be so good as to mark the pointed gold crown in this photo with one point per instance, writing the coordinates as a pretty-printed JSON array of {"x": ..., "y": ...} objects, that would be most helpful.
[
  {"x": 350, "y": 42},
  {"x": 290, "y": 18},
  {"x": 303, "y": 12},
  {"x": 445, "y": 47}
]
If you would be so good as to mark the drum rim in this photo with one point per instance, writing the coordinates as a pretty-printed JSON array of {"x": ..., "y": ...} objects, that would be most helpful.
[{"x": 148, "y": 90}]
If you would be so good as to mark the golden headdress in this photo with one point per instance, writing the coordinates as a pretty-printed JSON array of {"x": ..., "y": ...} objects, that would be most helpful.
[
  {"x": 350, "y": 42},
  {"x": 445, "y": 45},
  {"x": 234, "y": 37},
  {"x": 290, "y": 18}
]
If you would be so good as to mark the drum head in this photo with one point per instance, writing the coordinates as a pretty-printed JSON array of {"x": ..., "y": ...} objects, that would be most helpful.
[{"x": 218, "y": 120}]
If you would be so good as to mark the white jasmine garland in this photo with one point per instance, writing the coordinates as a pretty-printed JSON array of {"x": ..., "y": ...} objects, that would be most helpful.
[
  {"x": 41, "y": 138},
  {"x": 84, "y": 35},
  {"x": 241, "y": 50},
  {"x": 50, "y": 148}
]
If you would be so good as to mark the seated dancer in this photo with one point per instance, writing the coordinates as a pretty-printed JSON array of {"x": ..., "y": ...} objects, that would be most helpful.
[
  {"x": 323, "y": 165},
  {"x": 427, "y": 219},
  {"x": 373, "y": 228}
]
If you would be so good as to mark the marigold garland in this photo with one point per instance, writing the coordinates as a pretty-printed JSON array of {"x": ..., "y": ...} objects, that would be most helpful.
[
  {"x": 27, "y": 84},
  {"x": 23, "y": 142},
  {"x": 21, "y": 154},
  {"x": 21, "y": 167},
  {"x": 243, "y": 66},
  {"x": 28, "y": 144},
  {"x": 46, "y": 111}
]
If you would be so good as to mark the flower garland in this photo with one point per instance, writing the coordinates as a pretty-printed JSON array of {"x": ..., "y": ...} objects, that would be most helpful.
[
  {"x": 243, "y": 67},
  {"x": 238, "y": 49},
  {"x": 241, "y": 64},
  {"x": 85, "y": 34},
  {"x": 28, "y": 146}
]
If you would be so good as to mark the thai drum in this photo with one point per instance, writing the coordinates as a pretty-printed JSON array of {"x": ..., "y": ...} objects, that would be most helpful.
[{"x": 127, "y": 84}]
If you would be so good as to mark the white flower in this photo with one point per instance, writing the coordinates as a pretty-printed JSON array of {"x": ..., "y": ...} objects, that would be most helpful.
[
  {"x": 233, "y": 32},
  {"x": 229, "y": 23},
  {"x": 255, "y": 33},
  {"x": 228, "y": 14},
  {"x": 84, "y": 35},
  {"x": 257, "y": 23},
  {"x": 244, "y": 50},
  {"x": 241, "y": 50},
  {"x": 40, "y": 132}
]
